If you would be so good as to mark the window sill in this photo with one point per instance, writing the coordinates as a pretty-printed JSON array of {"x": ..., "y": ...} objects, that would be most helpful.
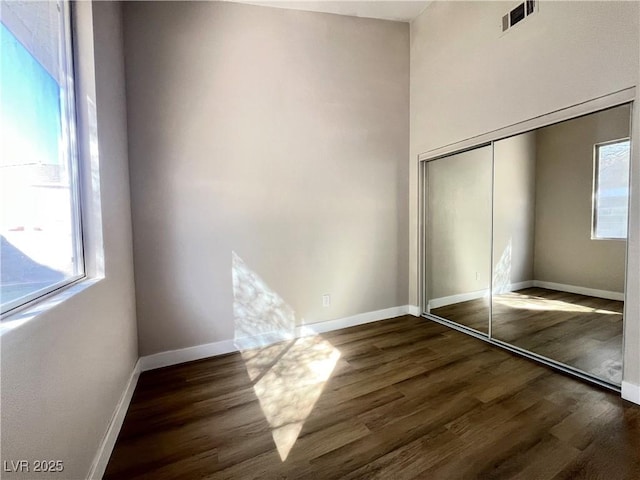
[{"x": 14, "y": 319}]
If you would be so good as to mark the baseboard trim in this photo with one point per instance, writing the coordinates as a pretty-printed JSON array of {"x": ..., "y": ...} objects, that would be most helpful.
[
  {"x": 514, "y": 287},
  {"x": 631, "y": 392},
  {"x": 101, "y": 459},
  {"x": 414, "y": 310},
  {"x": 560, "y": 287},
  {"x": 591, "y": 292},
  {"x": 352, "y": 321},
  {"x": 189, "y": 354},
  {"x": 458, "y": 298},
  {"x": 465, "y": 297}
]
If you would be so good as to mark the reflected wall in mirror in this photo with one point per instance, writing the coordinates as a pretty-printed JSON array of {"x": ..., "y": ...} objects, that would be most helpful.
[
  {"x": 559, "y": 241},
  {"x": 458, "y": 237}
]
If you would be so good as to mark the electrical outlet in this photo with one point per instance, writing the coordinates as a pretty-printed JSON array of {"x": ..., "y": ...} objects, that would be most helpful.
[{"x": 326, "y": 300}]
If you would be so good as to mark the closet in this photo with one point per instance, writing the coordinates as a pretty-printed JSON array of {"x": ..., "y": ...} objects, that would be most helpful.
[{"x": 524, "y": 241}]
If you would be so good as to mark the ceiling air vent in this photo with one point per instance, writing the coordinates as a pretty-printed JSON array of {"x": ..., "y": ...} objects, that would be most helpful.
[{"x": 519, "y": 13}]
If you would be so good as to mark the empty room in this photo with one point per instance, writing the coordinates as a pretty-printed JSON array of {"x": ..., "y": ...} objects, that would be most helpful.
[{"x": 320, "y": 239}]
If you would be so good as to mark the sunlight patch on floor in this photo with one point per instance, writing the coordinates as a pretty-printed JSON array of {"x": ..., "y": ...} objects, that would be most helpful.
[
  {"x": 529, "y": 302},
  {"x": 289, "y": 383},
  {"x": 288, "y": 377}
]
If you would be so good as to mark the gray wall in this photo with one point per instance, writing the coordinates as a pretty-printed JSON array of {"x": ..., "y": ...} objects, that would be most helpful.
[
  {"x": 268, "y": 141},
  {"x": 64, "y": 371},
  {"x": 564, "y": 250},
  {"x": 514, "y": 211}
]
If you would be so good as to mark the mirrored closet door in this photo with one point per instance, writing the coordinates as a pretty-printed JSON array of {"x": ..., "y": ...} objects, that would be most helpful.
[
  {"x": 459, "y": 237},
  {"x": 548, "y": 210}
]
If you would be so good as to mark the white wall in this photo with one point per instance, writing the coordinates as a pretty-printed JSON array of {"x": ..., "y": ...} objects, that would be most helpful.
[
  {"x": 564, "y": 250},
  {"x": 64, "y": 371},
  {"x": 264, "y": 144}
]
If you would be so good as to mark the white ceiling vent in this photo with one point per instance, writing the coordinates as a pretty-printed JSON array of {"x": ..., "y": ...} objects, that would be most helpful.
[{"x": 518, "y": 14}]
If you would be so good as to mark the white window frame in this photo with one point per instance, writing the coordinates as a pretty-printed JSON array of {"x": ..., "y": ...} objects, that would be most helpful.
[
  {"x": 594, "y": 191},
  {"x": 69, "y": 134}
]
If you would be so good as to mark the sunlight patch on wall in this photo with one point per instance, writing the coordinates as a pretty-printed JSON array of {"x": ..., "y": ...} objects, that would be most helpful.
[
  {"x": 502, "y": 271},
  {"x": 261, "y": 316}
]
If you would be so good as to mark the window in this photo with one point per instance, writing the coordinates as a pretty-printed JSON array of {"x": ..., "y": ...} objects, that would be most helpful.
[
  {"x": 611, "y": 190},
  {"x": 41, "y": 242}
]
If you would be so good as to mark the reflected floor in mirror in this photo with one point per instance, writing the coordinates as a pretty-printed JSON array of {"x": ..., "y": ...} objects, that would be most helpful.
[
  {"x": 472, "y": 314},
  {"x": 577, "y": 330}
]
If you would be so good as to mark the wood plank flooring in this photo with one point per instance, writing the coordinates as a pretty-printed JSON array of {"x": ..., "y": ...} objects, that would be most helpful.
[
  {"x": 399, "y": 399},
  {"x": 577, "y": 330}
]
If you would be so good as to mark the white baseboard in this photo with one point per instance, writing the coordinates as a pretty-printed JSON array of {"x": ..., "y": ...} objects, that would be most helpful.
[
  {"x": 514, "y": 287},
  {"x": 465, "y": 297},
  {"x": 561, "y": 287},
  {"x": 414, "y": 310},
  {"x": 458, "y": 298},
  {"x": 591, "y": 292},
  {"x": 359, "y": 319},
  {"x": 631, "y": 392},
  {"x": 182, "y": 355},
  {"x": 109, "y": 441},
  {"x": 174, "y": 357}
]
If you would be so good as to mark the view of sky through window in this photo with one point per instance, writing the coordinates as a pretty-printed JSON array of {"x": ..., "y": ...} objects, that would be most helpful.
[{"x": 38, "y": 249}]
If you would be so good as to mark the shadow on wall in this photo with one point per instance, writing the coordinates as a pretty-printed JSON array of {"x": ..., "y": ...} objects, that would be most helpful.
[{"x": 287, "y": 377}]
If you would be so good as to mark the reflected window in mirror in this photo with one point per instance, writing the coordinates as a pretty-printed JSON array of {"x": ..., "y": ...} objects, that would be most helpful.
[{"x": 611, "y": 190}]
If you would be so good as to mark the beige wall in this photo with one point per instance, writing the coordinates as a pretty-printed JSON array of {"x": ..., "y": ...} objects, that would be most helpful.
[
  {"x": 514, "y": 206},
  {"x": 64, "y": 371},
  {"x": 564, "y": 250},
  {"x": 267, "y": 144}
]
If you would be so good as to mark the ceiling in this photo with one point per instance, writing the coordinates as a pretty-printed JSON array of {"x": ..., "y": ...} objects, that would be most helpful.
[{"x": 399, "y": 10}]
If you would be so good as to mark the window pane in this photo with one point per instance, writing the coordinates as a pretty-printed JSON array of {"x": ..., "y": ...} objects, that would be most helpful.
[
  {"x": 612, "y": 196},
  {"x": 39, "y": 225}
]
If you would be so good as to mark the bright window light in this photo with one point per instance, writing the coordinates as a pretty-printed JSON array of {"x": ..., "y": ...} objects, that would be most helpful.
[
  {"x": 41, "y": 243},
  {"x": 611, "y": 190}
]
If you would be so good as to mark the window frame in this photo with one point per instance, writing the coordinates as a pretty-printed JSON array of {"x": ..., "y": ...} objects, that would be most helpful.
[
  {"x": 594, "y": 191},
  {"x": 68, "y": 110}
]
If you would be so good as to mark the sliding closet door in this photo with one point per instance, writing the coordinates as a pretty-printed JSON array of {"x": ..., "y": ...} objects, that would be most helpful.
[
  {"x": 458, "y": 238},
  {"x": 560, "y": 231}
]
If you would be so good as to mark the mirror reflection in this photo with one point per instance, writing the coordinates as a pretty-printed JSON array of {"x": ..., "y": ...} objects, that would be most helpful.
[
  {"x": 526, "y": 240},
  {"x": 459, "y": 237},
  {"x": 560, "y": 227}
]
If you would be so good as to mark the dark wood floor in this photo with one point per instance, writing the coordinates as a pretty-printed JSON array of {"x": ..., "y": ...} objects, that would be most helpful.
[
  {"x": 581, "y": 331},
  {"x": 398, "y": 399}
]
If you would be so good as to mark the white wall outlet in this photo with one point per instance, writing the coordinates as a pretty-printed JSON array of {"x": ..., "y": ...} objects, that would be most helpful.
[{"x": 326, "y": 300}]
